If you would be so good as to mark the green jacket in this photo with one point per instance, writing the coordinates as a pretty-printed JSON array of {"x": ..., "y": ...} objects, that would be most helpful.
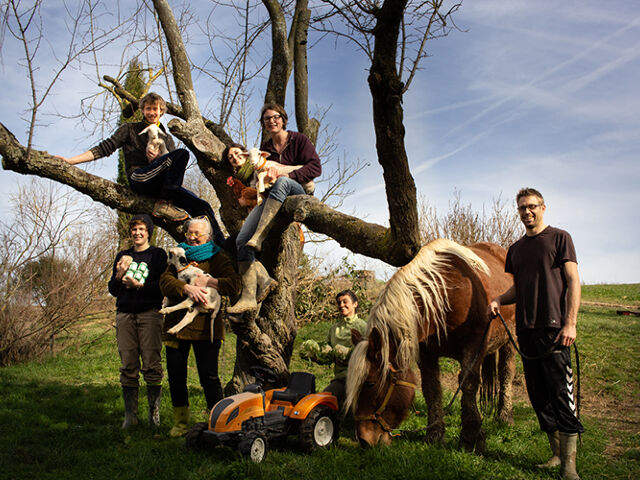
[{"x": 340, "y": 334}]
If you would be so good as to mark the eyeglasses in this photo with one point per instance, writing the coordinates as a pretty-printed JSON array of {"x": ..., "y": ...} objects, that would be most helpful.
[
  {"x": 194, "y": 235},
  {"x": 531, "y": 207},
  {"x": 275, "y": 118}
]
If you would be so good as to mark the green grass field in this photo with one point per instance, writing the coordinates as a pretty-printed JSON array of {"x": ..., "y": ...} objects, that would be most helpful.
[{"x": 60, "y": 419}]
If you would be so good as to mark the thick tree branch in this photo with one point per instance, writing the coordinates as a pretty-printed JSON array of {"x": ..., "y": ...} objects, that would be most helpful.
[
  {"x": 361, "y": 237},
  {"x": 17, "y": 158}
]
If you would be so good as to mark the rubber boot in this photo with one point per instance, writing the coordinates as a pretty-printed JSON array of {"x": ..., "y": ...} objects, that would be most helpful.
[
  {"x": 154, "y": 394},
  {"x": 568, "y": 450},
  {"x": 264, "y": 283},
  {"x": 269, "y": 212},
  {"x": 554, "y": 443},
  {"x": 247, "y": 300},
  {"x": 180, "y": 421},
  {"x": 130, "y": 396}
]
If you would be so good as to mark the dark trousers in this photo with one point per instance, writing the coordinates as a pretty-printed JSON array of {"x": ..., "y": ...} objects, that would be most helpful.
[
  {"x": 163, "y": 178},
  {"x": 207, "y": 363},
  {"x": 139, "y": 336},
  {"x": 549, "y": 381}
]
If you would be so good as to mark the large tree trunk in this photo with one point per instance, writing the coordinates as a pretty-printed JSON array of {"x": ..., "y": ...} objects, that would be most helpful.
[{"x": 386, "y": 89}]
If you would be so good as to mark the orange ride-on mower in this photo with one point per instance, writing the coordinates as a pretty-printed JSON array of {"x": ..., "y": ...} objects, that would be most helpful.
[{"x": 249, "y": 420}]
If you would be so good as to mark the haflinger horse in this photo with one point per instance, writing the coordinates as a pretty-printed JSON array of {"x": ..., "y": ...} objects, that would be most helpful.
[{"x": 434, "y": 306}]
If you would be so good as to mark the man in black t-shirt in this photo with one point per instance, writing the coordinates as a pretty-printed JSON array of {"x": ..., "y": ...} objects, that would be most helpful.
[{"x": 546, "y": 292}]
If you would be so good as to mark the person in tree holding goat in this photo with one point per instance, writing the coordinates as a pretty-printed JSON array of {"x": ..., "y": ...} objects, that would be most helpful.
[
  {"x": 287, "y": 148},
  {"x": 148, "y": 171}
]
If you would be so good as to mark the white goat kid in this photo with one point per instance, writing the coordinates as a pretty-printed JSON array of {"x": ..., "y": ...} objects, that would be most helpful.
[
  {"x": 258, "y": 159},
  {"x": 188, "y": 273},
  {"x": 155, "y": 144}
]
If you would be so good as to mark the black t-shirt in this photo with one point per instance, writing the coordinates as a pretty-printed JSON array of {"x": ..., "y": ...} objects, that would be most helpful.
[{"x": 537, "y": 267}]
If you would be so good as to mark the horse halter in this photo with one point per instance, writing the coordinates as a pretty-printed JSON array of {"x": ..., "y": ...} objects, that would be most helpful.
[{"x": 376, "y": 416}]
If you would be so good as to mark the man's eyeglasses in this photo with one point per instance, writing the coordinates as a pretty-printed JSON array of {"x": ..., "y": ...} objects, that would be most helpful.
[
  {"x": 531, "y": 207},
  {"x": 275, "y": 118}
]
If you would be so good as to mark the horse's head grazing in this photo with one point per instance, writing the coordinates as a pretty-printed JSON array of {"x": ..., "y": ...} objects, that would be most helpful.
[{"x": 378, "y": 393}]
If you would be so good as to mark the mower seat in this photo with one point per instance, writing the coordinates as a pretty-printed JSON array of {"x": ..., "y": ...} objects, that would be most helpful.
[{"x": 300, "y": 384}]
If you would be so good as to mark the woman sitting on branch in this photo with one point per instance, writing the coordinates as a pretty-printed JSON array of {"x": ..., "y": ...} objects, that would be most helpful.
[{"x": 287, "y": 148}]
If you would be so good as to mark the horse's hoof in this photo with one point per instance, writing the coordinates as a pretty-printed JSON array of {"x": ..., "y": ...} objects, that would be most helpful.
[
  {"x": 481, "y": 443},
  {"x": 505, "y": 418},
  {"x": 434, "y": 433},
  {"x": 476, "y": 444}
]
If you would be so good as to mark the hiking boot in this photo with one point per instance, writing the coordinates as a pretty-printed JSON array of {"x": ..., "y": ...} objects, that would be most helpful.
[{"x": 168, "y": 211}]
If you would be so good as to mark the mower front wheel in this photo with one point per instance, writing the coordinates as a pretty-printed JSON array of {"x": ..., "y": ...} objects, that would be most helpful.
[
  {"x": 253, "y": 447},
  {"x": 319, "y": 429},
  {"x": 192, "y": 439}
]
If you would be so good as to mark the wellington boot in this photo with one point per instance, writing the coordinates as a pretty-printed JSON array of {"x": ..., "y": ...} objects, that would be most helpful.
[
  {"x": 247, "y": 300},
  {"x": 554, "y": 443},
  {"x": 271, "y": 207},
  {"x": 130, "y": 396},
  {"x": 154, "y": 395},
  {"x": 180, "y": 421},
  {"x": 264, "y": 283},
  {"x": 568, "y": 451}
]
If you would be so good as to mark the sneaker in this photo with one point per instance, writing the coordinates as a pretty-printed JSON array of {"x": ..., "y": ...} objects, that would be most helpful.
[{"x": 164, "y": 209}]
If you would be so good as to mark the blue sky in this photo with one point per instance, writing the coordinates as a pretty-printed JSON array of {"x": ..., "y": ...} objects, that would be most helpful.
[{"x": 542, "y": 94}]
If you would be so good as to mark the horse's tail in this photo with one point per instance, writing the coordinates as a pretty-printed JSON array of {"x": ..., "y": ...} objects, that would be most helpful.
[{"x": 489, "y": 385}]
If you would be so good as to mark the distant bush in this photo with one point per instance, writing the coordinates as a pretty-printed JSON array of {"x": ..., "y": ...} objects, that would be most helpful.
[
  {"x": 467, "y": 225},
  {"x": 316, "y": 295}
]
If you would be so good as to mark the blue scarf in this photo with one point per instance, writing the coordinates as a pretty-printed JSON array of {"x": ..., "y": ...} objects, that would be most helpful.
[{"x": 199, "y": 253}]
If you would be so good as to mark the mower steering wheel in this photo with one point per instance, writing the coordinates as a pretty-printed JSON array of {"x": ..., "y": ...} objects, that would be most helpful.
[{"x": 263, "y": 375}]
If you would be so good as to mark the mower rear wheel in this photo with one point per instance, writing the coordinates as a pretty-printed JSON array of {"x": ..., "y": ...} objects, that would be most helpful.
[
  {"x": 253, "y": 447},
  {"x": 192, "y": 439},
  {"x": 319, "y": 429}
]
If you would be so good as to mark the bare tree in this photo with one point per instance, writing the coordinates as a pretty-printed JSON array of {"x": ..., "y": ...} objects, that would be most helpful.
[
  {"x": 54, "y": 258},
  {"x": 464, "y": 224},
  {"x": 382, "y": 29}
]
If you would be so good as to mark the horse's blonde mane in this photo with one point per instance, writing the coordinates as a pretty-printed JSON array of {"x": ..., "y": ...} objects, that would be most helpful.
[{"x": 396, "y": 314}]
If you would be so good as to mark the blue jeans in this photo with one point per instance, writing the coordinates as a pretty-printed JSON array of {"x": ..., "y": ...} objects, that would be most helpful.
[
  {"x": 163, "y": 178},
  {"x": 283, "y": 187}
]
